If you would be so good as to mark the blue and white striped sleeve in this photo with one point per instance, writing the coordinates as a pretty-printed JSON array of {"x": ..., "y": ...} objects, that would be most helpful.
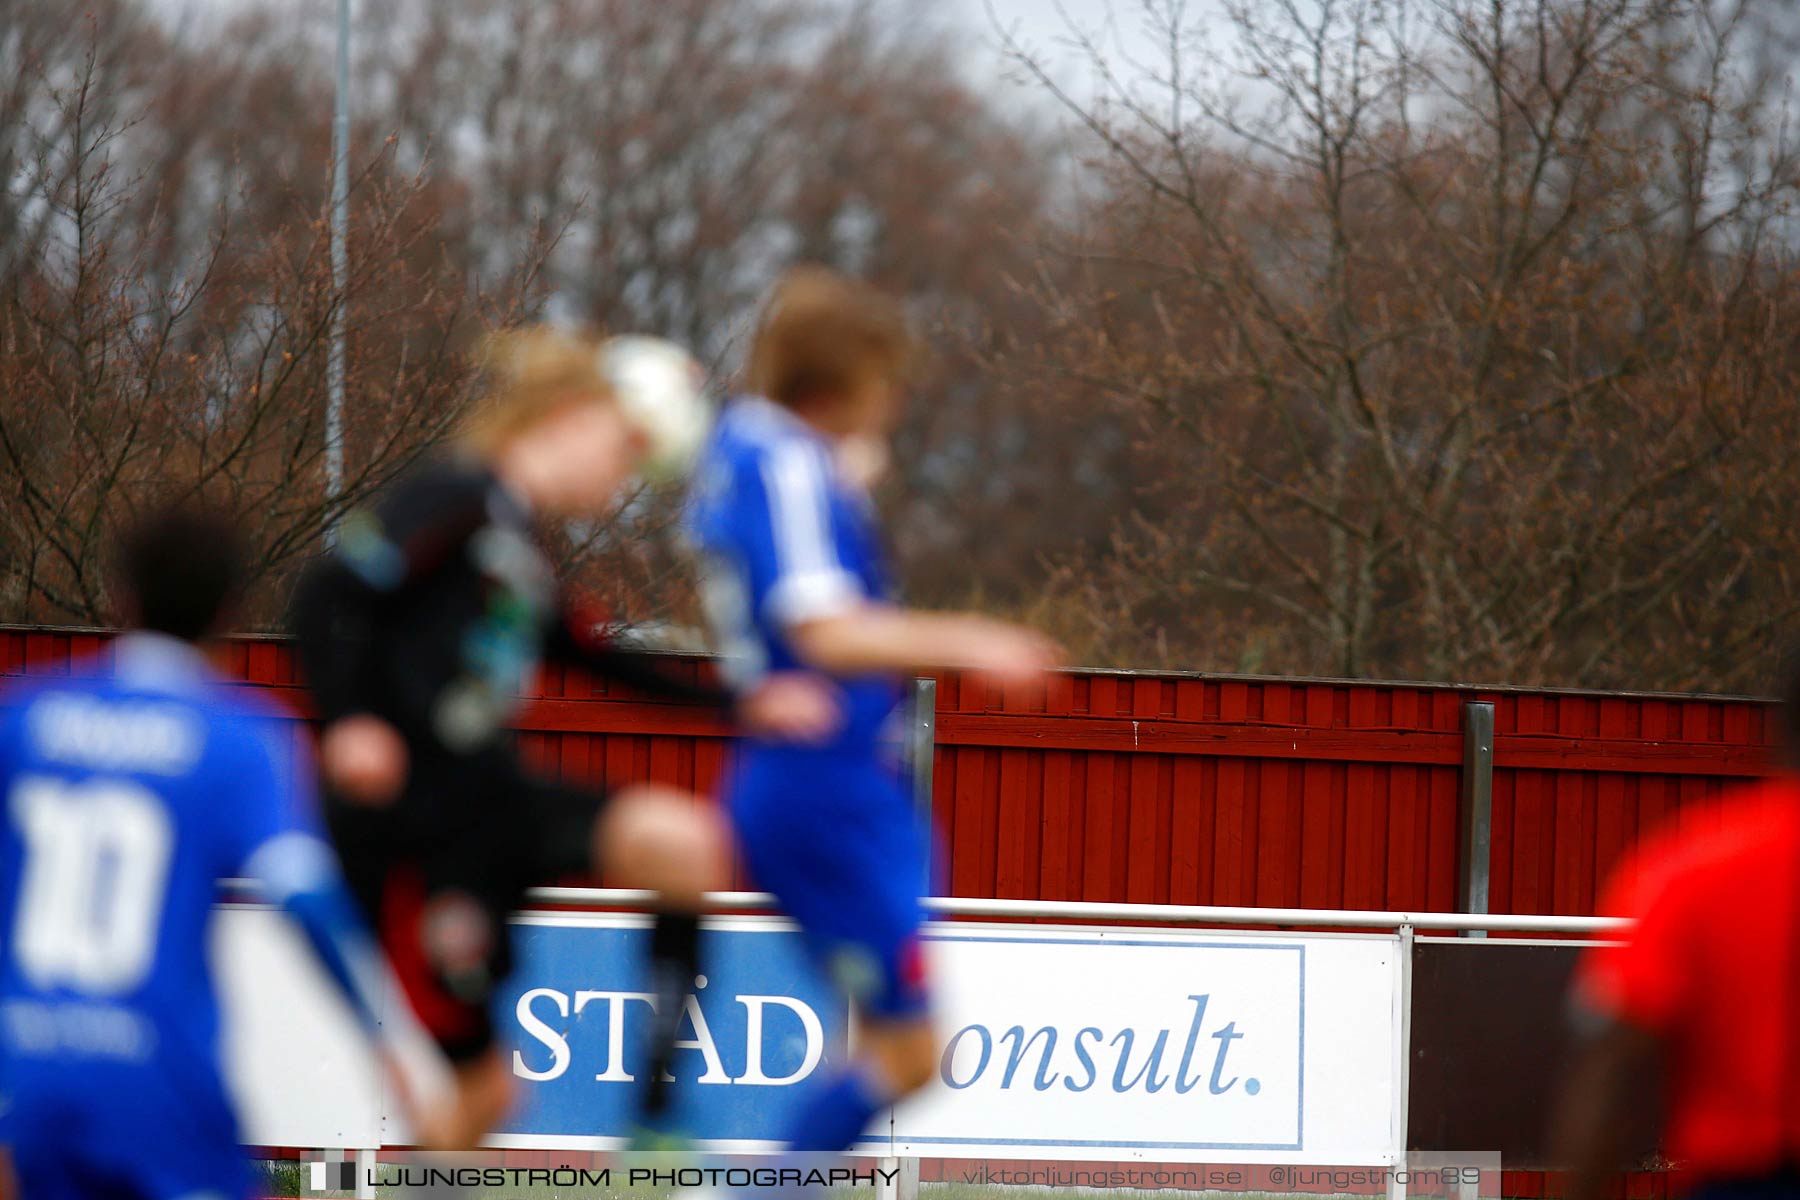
[{"x": 805, "y": 577}]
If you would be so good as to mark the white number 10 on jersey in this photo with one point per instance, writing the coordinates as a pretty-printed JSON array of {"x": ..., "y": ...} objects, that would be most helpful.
[{"x": 96, "y": 866}]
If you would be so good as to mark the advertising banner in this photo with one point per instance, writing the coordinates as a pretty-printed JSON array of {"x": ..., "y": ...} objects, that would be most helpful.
[
  {"x": 1074, "y": 1043},
  {"x": 1159, "y": 1045}
]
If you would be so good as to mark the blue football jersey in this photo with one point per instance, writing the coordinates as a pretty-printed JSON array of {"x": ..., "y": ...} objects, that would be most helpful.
[
  {"x": 786, "y": 538},
  {"x": 125, "y": 799}
]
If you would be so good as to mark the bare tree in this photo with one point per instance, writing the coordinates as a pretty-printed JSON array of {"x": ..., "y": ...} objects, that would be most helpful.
[
  {"x": 166, "y": 331},
  {"x": 636, "y": 167},
  {"x": 1450, "y": 337}
]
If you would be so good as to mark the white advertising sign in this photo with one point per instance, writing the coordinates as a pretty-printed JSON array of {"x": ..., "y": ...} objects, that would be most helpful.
[
  {"x": 1072, "y": 1043},
  {"x": 1159, "y": 1045},
  {"x": 295, "y": 1059}
]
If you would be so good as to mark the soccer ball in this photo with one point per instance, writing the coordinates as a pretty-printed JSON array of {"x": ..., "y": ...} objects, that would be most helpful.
[{"x": 661, "y": 390}]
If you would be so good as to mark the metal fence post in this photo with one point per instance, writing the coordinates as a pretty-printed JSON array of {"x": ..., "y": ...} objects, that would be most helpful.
[
  {"x": 909, "y": 1179},
  {"x": 1475, "y": 815},
  {"x": 921, "y": 757},
  {"x": 1402, "y": 1111}
]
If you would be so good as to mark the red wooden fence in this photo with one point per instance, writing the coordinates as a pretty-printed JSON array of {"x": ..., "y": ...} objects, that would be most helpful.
[{"x": 1124, "y": 786}]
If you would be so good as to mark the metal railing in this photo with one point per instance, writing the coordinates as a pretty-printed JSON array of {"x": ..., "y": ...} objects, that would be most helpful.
[
  {"x": 1080, "y": 911},
  {"x": 1166, "y": 914}
]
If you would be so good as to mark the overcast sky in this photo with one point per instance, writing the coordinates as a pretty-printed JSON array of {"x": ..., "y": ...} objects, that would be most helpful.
[
  {"x": 1043, "y": 28},
  {"x": 1040, "y": 25}
]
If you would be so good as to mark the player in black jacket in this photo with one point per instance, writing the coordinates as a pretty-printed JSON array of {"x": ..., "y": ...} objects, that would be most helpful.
[{"x": 417, "y": 633}]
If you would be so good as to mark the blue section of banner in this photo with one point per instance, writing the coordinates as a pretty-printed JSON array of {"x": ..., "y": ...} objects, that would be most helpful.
[{"x": 769, "y": 1028}]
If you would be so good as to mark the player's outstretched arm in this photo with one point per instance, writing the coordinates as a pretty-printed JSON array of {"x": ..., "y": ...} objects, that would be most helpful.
[
  {"x": 868, "y": 637},
  {"x": 576, "y": 637},
  {"x": 789, "y": 705}
]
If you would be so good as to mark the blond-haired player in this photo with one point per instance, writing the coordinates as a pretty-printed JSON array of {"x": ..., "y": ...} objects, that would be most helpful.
[{"x": 417, "y": 633}]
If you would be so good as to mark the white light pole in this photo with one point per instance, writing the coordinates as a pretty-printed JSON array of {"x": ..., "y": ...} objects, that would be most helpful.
[{"x": 340, "y": 270}]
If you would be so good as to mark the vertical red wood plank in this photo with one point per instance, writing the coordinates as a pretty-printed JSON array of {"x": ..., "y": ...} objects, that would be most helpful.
[
  {"x": 1074, "y": 869},
  {"x": 1530, "y": 713},
  {"x": 667, "y": 760},
  {"x": 974, "y": 872},
  {"x": 1058, "y": 826},
  {"x": 1336, "y": 796},
  {"x": 261, "y": 666},
  {"x": 1118, "y": 855},
  {"x": 1656, "y": 803},
  {"x": 1403, "y": 887},
  {"x": 642, "y": 757},
  {"x": 1165, "y": 826},
  {"x": 974, "y": 694},
  {"x": 979, "y": 789},
  {"x": 1615, "y": 821},
  {"x": 1036, "y": 762},
  {"x": 709, "y": 759},
  {"x": 1233, "y": 832},
  {"x": 1016, "y": 819},
  {"x": 1279, "y": 816},
  {"x": 1103, "y": 699},
  {"x": 1696, "y": 721},
  {"x": 1277, "y": 858},
  {"x": 1187, "y": 804},
  {"x": 1362, "y": 809},
  {"x": 46, "y": 654},
  {"x": 1529, "y": 832},
  {"x": 1364, "y": 814},
  {"x": 1098, "y": 830},
  {"x": 1316, "y": 806},
  {"x": 1146, "y": 847},
  {"x": 1206, "y": 883},
  {"x": 1572, "y": 833},
  {"x": 1234, "y": 700},
  {"x": 82, "y": 650},
  {"x": 1188, "y": 835},
  {"x": 1251, "y": 850},
  {"x": 1445, "y": 785},
  {"x": 1573, "y": 845},
  {"x": 1293, "y": 851},
  {"x": 1734, "y": 725}
]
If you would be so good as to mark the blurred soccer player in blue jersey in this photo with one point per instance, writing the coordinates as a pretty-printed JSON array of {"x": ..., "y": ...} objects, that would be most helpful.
[
  {"x": 795, "y": 579},
  {"x": 124, "y": 798}
]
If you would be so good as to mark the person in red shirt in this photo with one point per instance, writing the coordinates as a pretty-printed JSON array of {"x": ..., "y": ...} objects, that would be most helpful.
[{"x": 1706, "y": 991}]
